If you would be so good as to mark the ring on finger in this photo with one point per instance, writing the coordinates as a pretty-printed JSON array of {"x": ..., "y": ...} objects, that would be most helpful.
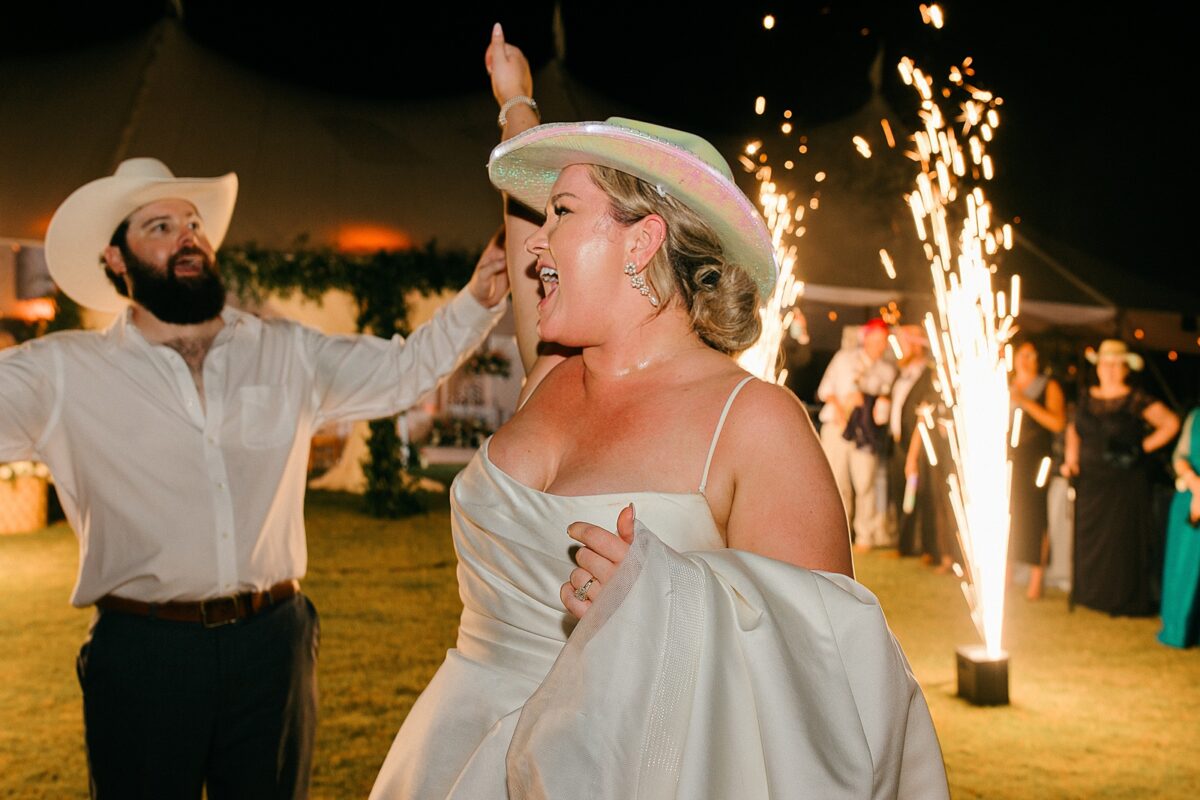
[{"x": 581, "y": 593}]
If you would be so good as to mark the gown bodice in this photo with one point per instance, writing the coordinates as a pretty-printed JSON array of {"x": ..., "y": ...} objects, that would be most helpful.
[{"x": 514, "y": 554}]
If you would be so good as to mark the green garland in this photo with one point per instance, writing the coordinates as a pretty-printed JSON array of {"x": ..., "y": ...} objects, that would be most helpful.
[{"x": 379, "y": 283}]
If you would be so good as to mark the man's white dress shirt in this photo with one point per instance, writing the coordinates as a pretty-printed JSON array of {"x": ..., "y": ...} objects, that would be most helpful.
[
  {"x": 851, "y": 371},
  {"x": 173, "y": 499}
]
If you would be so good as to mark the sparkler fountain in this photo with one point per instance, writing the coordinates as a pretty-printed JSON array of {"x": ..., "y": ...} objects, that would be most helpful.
[{"x": 968, "y": 337}]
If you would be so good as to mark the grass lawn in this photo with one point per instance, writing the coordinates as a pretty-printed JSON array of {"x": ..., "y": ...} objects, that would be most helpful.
[{"x": 1099, "y": 709}]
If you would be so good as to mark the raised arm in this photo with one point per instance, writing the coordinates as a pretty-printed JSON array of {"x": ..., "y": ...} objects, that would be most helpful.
[
  {"x": 509, "y": 71},
  {"x": 365, "y": 377}
]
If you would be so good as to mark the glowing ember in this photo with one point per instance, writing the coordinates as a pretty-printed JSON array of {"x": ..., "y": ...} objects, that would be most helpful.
[
  {"x": 888, "y": 266},
  {"x": 887, "y": 133},
  {"x": 1043, "y": 472}
]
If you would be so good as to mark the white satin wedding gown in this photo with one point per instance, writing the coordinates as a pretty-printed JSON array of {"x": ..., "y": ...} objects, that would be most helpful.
[{"x": 701, "y": 672}]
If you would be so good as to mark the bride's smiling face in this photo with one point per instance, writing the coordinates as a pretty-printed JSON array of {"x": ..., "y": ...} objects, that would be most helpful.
[{"x": 580, "y": 252}]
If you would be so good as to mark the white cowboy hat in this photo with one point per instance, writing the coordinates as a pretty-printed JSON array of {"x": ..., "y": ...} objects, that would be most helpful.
[
  {"x": 680, "y": 164},
  {"x": 84, "y": 224},
  {"x": 1115, "y": 349}
]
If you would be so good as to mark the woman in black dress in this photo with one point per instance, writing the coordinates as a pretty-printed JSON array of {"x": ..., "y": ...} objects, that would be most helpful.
[
  {"x": 1040, "y": 400},
  {"x": 1115, "y": 427}
]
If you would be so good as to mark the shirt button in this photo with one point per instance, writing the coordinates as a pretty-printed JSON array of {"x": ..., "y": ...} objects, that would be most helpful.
[
  {"x": 225, "y": 535},
  {"x": 212, "y": 440},
  {"x": 220, "y": 485}
]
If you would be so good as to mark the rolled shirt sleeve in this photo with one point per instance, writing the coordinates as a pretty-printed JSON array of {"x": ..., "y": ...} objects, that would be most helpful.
[{"x": 364, "y": 377}]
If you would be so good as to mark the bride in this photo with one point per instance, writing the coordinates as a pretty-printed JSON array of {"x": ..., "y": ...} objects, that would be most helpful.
[{"x": 724, "y": 649}]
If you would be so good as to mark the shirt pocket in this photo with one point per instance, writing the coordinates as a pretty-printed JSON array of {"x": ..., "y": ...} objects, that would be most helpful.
[{"x": 268, "y": 417}]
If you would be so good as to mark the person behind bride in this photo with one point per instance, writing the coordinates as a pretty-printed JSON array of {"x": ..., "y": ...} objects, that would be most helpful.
[{"x": 711, "y": 663}]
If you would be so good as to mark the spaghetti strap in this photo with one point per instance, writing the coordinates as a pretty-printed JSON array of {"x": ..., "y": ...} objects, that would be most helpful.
[{"x": 712, "y": 448}]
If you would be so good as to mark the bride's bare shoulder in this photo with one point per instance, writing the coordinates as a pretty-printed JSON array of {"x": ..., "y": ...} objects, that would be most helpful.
[
  {"x": 762, "y": 406},
  {"x": 767, "y": 423}
]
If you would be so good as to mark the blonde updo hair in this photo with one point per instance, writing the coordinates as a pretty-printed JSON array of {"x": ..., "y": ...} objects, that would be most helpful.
[{"x": 721, "y": 298}]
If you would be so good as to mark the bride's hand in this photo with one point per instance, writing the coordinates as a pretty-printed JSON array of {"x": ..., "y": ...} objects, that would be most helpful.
[
  {"x": 508, "y": 67},
  {"x": 598, "y": 559}
]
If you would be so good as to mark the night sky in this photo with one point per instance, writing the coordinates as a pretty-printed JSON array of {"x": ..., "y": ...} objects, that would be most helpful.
[
  {"x": 1094, "y": 144},
  {"x": 1094, "y": 96},
  {"x": 1094, "y": 93}
]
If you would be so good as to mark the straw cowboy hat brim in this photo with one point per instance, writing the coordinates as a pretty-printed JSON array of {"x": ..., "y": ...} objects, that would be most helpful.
[
  {"x": 680, "y": 164},
  {"x": 1115, "y": 349},
  {"x": 84, "y": 224}
]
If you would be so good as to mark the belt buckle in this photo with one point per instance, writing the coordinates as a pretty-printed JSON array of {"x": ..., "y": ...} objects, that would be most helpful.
[{"x": 234, "y": 602}]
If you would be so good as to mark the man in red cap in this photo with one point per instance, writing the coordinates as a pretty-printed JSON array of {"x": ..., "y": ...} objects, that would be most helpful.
[{"x": 855, "y": 389}]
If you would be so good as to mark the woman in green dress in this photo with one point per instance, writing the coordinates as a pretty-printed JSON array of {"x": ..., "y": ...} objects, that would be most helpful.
[{"x": 1181, "y": 569}]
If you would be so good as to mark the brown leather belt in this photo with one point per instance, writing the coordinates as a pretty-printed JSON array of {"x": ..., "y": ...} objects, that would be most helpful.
[{"x": 210, "y": 613}]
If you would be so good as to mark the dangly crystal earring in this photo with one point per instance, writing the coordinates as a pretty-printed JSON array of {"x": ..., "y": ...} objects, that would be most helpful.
[{"x": 637, "y": 282}]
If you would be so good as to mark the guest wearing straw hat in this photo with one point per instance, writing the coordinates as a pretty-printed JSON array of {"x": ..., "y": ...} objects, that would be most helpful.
[
  {"x": 178, "y": 439},
  {"x": 1114, "y": 429}
]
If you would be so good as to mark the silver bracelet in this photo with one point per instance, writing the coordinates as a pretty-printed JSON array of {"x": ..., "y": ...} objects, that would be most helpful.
[{"x": 502, "y": 120}]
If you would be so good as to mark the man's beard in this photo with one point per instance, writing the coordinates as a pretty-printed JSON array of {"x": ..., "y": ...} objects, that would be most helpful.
[{"x": 178, "y": 300}]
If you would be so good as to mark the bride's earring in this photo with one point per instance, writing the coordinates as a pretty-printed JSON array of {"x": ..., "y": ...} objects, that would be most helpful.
[{"x": 637, "y": 282}]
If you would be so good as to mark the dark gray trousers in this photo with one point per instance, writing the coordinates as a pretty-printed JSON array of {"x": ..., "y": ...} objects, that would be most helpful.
[{"x": 172, "y": 707}]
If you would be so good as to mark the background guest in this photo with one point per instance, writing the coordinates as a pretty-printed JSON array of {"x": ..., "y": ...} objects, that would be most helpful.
[
  {"x": 1115, "y": 427},
  {"x": 1040, "y": 400},
  {"x": 854, "y": 386},
  {"x": 913, "y": 385},
  {"x": 1181, "y": 569}
]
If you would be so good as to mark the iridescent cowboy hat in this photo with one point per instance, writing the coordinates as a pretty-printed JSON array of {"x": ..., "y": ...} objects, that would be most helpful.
[
  {"x": 84, "y": 224},
  {"x": 1115, "y": 349},
  {"x": 680, "y": 164}
]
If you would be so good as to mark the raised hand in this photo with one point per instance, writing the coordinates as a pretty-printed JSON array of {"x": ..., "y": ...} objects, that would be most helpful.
[
  {"x": 508, "y": 67},
  {"x": 598, "y": 559},
  {"x": 489, "y": 282}
]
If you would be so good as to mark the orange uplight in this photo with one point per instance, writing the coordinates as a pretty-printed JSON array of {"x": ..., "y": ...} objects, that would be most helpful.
[
  {"x": 1139, "y": 334},
  {"x": 833, "y": 316},
  {"x": 1173, "y": 356},
  {"x": 36, "y": 310},
  {"x": 41, "y": 224},
  {"x": 363, "y": 238}
]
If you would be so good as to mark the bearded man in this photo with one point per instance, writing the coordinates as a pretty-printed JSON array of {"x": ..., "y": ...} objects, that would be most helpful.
[{"x": 178, "y": 439}]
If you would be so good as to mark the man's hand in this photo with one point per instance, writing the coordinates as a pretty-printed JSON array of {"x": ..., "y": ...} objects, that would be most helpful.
[{"x": 489, "y": 283}]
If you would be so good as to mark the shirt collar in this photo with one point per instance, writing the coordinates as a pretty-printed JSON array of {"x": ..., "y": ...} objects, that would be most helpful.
[{"x": 122, "y": 330}]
